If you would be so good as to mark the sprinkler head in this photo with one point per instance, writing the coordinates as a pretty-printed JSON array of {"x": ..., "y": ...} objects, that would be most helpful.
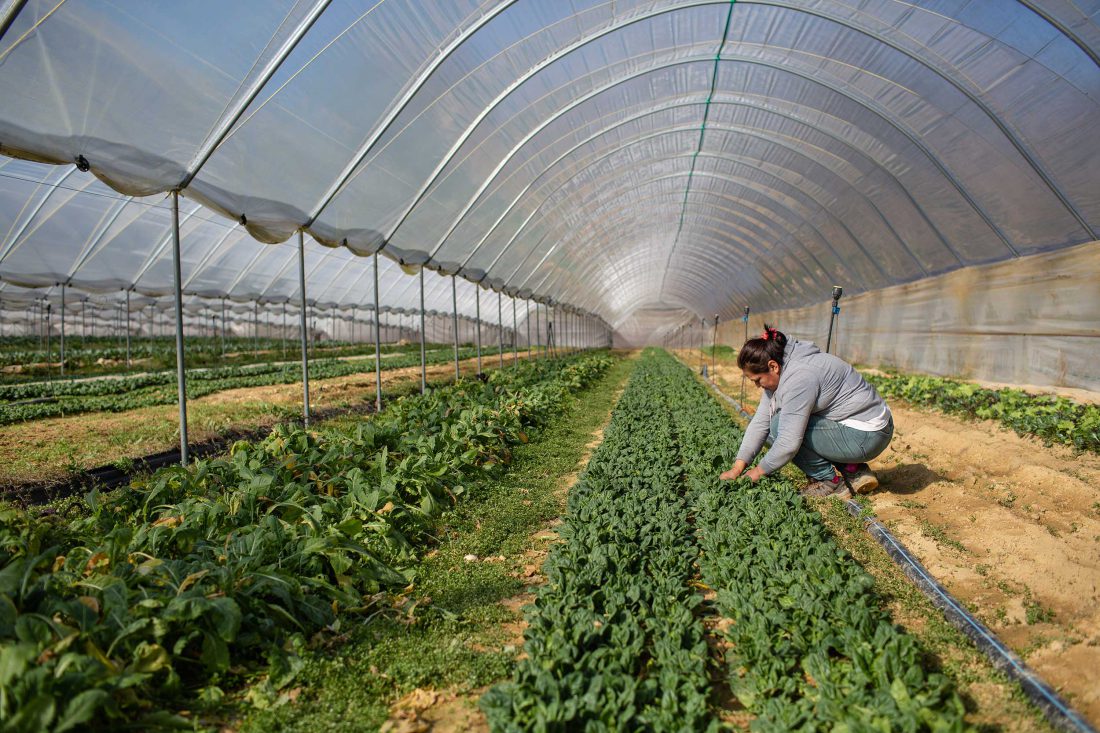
[{"x": 837, "y": 292}]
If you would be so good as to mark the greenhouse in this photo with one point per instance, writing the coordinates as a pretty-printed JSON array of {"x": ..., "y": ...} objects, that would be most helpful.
[{"x": 550, "y": 365}]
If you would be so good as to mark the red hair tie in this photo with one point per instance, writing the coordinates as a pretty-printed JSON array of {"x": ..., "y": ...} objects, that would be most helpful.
[{"x": 766, "y": 334}]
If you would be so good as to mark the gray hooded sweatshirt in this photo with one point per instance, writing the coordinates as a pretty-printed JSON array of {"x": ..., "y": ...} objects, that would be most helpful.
[{"x": 810, "y": 383}]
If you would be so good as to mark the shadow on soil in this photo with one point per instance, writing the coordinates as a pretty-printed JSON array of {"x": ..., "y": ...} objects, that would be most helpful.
[{"x": 906, "y": 478}]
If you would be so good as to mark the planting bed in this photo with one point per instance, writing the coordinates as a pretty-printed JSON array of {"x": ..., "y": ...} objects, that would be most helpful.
[
  {"x": 616, "y": 640},
  {"x": 128, "y": 606},
  {"x": 22, "y": 402}
]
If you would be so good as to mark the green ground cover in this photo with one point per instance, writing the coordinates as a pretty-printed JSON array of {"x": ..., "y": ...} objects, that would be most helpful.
[
  {"x": 810, "y": 646},
  {"x": 23, "y": 402},
  {"x": 126, "y": 607},
  {"x": 1053, "y": 419}
]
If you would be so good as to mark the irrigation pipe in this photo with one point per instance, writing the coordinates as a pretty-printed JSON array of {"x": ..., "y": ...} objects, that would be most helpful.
[{"x": 1056, "y": 710}]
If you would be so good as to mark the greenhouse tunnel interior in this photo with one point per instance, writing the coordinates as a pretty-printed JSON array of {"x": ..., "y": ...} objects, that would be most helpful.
[{"x": 649, "y": 165}]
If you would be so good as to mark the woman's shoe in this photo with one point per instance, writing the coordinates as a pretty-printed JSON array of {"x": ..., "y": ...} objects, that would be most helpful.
[
  {"x": 860, "y": 477},
  {"x": 834, "y": 488}
]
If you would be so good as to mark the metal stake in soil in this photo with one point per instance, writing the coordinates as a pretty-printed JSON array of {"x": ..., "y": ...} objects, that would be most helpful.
[
  {"x": 745, "y": 319},
  {"x": 837, "y": 292}
]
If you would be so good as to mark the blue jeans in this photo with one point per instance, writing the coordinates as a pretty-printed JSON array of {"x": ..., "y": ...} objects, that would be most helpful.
[{"x": 827, "y": 443}]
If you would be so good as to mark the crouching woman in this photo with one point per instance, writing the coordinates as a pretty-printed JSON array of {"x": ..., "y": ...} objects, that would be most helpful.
[{"x": 818, "y": 411}]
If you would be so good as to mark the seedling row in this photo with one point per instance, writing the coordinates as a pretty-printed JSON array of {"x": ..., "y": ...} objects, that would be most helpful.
[{"x": 616, "y": 640}]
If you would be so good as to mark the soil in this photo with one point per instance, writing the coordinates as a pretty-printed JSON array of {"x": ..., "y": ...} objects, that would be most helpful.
[{"x": 1012, "y": 529}]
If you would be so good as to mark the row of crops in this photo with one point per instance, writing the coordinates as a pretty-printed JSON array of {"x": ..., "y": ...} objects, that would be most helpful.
[
  {"x": 21, "y": 402},
  {"x": 24, "y": 359},
  {"x": 617, "y": 638},
  {"x": 125, "y": 607},
  {"x": 1053, "y": 419}
]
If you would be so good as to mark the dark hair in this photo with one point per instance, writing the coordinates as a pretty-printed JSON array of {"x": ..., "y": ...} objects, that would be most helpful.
[{"x": 757, "y": 352}]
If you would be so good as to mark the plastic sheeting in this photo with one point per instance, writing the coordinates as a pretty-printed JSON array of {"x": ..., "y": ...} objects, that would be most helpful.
[
  {"x": 1029, "y": 321},
  {"x": 613, "y": 155}
]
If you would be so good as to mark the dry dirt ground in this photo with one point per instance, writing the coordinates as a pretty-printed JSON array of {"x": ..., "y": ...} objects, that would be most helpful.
[{"x": 1011, "y": 528}]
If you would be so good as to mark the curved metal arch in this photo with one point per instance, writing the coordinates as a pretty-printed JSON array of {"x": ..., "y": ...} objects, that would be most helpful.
[
  {"x": 558, "y": 243},
  {"x": 154, "y": 256},
  {"x": 696, "y": 266},
  {"x": 585, "y": 167},
  {"x": 515, "y": 236},
  {"x": 658, "y": 110},
  {"x": 206, "y": 258},
  {"x": 10, "y": 245},
  {"x": 92, "y": 244},
  {"x": 1061, "y": 28},
  {"x": 346, "y": 176},
  {"x": 771, "y": 193},
  {"x": 226, "y": 121},
  {"x": 530, "y": 73},
  {"x": 604, "y": 224},
  {"x": 772, "y": 202},
  {"x": 755, "y": 258},
  {"x": 919, "y": 60},
  {"x": 561, "y": 272},
  {"x": 778, "y": 140},
  {"x": 1017, "y": 142},
  {"x": 868, "y": 105}
]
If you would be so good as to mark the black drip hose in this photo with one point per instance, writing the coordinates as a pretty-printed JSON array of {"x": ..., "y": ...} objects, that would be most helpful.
[{"x": 1056, "y": 710}]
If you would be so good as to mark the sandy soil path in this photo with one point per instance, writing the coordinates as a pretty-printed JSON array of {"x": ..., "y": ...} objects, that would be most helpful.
[{"x": 1010, "y": 527}]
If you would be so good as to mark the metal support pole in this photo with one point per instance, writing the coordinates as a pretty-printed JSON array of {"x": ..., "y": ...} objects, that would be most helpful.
[
  {"x": 302, "y": 321},
  {"x": 477, "y": 306},
  {"x": 527, "y": 320},
  {"x": 377, "y": 342},
  {"x": 285, "y": 330},
  {"x": 538, "y": 331},
  {"x": 181, "y": 383},
  {"x": 256, "y": 326},
  {"x": 500, "y": 326},
  {"x": 128, "y": 361},
  {"x": 702, "y": 328},
  {"x": 223, "y": 327},
  {"x": 84, "y": 323},
  {"x": 744, "y": 318},
  {"x": 515, "y": 335},
  {"x": 837, "y": 292},
  {"x": 423, "y": 352},
  {"x": 49, "y": 346},
  {"x": 713, "y": 345},
  {"x": 454, "y": 321},
  {"x": 62, "y": 330}
]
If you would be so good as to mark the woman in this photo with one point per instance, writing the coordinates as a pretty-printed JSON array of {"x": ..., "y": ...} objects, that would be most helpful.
[{"x": 819, "y": 412}]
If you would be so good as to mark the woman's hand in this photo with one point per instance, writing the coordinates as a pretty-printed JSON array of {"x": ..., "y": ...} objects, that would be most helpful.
[
  {"x": 755, "y": 473},
  {"x": 730, "y": 475}
]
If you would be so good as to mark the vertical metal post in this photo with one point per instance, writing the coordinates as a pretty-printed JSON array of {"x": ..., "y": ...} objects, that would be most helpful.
[
  {"x": 527, "y": 320},
  {"x": 377, "y": 342},
  {"x": 423, "y": 352},
  {"x": 128, "y": 361},
  {"x": 84, "y": 323},
  {"x": 702, "y": 328},
  {"x": 744, "y": 318},
  {"x": 538, "y": 331},
  {"x": 62, "y": 329},
  {"x": 223, "y": 327},
  {"x": 477, "y": 315},
  {"x": 181, "y": 384},
  {"x": 256, "y": 326},
  {"x": 713, "y": 345},
  {"x": 285, "y": 330},
  {"x": 837, "y": 292},
  {"x": 49, "y": 346},
  {"x": 454, "y": 321},
  {"x": 303, "y": 326},
  {"x": 515, "y": 335},
  {"x": 500, "y": 326}
]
